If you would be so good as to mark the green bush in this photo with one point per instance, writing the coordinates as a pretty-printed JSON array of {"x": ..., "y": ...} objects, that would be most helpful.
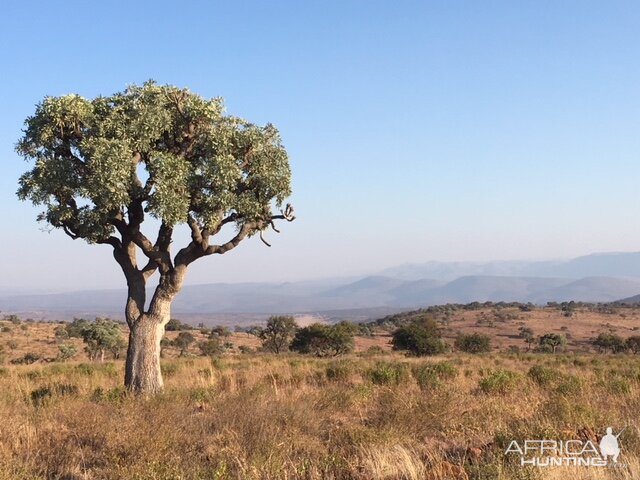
[
  {"x": 543, "y": 375},
  {"x": 66, "y": 352},
  {"x": 324, "y": 340},
  {"x": 421, "y": 337},
  {"x": 211, "y": 347},
  {"x": 473, "y": 343},
  {"x": 499, "y": 381},
  {"x": 388, "y": 373}
]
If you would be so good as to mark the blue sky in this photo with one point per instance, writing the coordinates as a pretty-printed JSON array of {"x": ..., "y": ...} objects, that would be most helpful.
[{"x": 417, "y": 130}]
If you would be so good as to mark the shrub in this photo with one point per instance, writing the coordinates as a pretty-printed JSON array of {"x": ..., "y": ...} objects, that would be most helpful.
[
  {"x": 499, "y": 381},
  {"x": 101, "y": 336},
  {"x": 473, "y": 343},
  {"x": 633, "y": 343},
  {"x": 277, "y": 335},
  {"x": 543, "y": 375},
  {"x": 388, "y": 373},
  {"x": 13, "y": 319},
  {"x": 339, "y": 371},
  {"x": 246, "y": 349},
  {"x": 114, "y": 395},
  {"x": 569, "y": 385},
  {"x": 429, "y": 376},
  {"x": 66, "y": 352},
  {"x": 550, "y": 342},
  {"x": 220, "y": 331},
  {"x": 182, "y": 342},
  {"x": 375, "y": 350},
  {"x": 169, "y": 369},
  {"x": 26, "y": 359},
  {"x": 420, "y": 337},
  {"x": 41, "y": 395},
  {"x": 324, "y": 340},
  {"x": 211, "y": 347},
  {"x": 609, "y": 342},
  {"x": 175, "y": 325}
]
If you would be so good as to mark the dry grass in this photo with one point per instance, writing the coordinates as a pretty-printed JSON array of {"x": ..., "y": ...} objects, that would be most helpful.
[{"x": 293, "y": 417}]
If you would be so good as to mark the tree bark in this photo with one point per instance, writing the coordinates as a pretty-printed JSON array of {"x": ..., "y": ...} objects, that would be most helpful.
[
  {"x": 146, "y": 329},
  {"x": 142, "y": 373}
]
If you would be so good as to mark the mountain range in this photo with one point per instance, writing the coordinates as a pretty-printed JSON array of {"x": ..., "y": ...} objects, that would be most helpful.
[{"x": 593, "y": 278}]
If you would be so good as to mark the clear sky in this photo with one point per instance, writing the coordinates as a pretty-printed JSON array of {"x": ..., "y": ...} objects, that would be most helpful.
[{"x": 424, "y": 130}]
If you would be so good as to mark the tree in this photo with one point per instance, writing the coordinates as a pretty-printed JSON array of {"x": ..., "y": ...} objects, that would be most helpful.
[
  {"x": 183, "y": 341},
  {"x": 103, "y": 166},
  {"x": 609, "y": 342},
  {"x": 473, "y": 343},
  {"x": 633, "y": 343},
  {"x": 175, "y": 325},
  {"x": 527, "y": 335},
  {"x": 324, "y": 340},
  {"x": 420, "y": 337},
  {"x": 211, "y": 347},
  {"x": 276, "y": 336},
  {"x": 66, "y": 352},
  {"x": 101, "y": 336},
  {"x": 219, "y": 331},
  {"x": 551, "y": 341}
]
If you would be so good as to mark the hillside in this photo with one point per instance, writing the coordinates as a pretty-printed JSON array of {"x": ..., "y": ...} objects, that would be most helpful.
[{"x": 500, "y": 322}]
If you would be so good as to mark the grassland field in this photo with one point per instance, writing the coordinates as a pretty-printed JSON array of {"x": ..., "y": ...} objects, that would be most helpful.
[{"x": 372, "y": 414}]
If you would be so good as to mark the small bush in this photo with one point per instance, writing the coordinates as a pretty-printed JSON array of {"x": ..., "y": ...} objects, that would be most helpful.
[
  {"x": 113, "y": 395},
  {"x": 543, "y": 375},
  {"x": 375, "y": 350},
  {"x": 66, "y": 352},
  {"x": 169, "y": 369},
  {"x": 339, "y": 371},
  {"x": 569, "y": 385},
  {"x": 211, "y": 348},
  {"x": 499, "y": 381},
  {"x": 388, "y": 373},
  {"x": 430, "y": 376},
  {"x": 26, "y": 359},
  {"x": 41, "y": 395}
]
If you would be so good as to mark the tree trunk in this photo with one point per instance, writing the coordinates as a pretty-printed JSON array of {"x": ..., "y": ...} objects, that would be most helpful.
[
  {"x": 146, "y": 329},
  {"x": 142, "y": 374}
]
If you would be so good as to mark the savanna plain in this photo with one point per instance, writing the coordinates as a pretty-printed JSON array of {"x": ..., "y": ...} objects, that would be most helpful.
[{"x": 373, "y": 413}]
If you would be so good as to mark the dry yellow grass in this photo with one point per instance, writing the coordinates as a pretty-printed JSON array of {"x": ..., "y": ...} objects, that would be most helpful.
[{"x": 293, "y": 417}]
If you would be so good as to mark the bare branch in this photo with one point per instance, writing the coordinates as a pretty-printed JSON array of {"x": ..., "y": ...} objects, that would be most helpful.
[
  {"x": 245, "y": 230},
  {"x": 113, "y": 241},
  {"x": 263, "y": 240}
]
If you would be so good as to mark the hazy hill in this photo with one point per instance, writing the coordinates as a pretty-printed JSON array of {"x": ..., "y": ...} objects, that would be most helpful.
[
  {"x": 598, "y": 264},
  {"x": 593, "y": 278}
]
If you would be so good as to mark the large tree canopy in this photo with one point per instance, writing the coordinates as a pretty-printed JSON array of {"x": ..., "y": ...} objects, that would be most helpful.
[{"x": 102, "y": 165}]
